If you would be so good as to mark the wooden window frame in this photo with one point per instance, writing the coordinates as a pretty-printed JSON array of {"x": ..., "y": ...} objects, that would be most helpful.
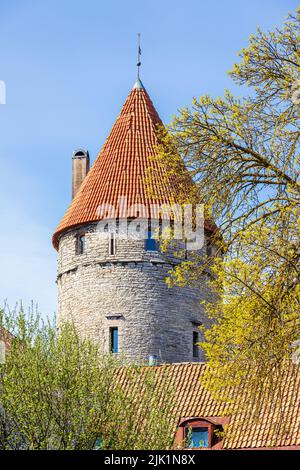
[{"x": 198, "y": 422}]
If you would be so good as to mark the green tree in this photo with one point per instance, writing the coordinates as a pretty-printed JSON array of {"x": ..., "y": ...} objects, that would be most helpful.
[
  {"x": 243, "y": 155},
  {"x": 60, "y": 392}
]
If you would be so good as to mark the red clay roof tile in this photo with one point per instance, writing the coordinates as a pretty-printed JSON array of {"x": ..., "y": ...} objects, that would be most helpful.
[
  {"x": 245, "y": 430},
  {"x": 121, "y": 167}
]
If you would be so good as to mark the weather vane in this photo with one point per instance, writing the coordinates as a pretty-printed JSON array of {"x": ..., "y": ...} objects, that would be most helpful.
[{"x": 139, "y": 63}]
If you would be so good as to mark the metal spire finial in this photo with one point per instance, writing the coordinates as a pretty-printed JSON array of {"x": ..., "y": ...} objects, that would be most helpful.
[{"x": 139, "y": 63}]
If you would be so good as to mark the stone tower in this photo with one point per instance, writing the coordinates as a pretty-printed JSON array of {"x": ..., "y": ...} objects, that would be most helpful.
[{"x": 113, "y": 287}]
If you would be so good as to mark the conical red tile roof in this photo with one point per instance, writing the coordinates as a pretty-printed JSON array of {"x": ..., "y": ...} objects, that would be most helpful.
[{"x": 120, "y": 170}]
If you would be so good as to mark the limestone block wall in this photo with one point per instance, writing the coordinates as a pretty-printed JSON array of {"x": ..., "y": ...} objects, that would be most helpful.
[{"x": 98, "y": 291}]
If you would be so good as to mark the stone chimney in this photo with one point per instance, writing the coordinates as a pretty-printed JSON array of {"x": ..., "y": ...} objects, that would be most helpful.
[{"x": 80, "y": 168}]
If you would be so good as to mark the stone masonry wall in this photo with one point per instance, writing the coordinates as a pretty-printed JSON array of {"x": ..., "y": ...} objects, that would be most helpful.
[{"x": 97, "y": 291}]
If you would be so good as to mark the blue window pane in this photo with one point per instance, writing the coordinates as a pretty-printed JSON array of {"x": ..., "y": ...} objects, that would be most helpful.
[
  {"x": 114, "y": 336},
  {"x": 150, "y": 243},
  {"x": 98, "y": 444},
  {"x": 197, "y": 437}
]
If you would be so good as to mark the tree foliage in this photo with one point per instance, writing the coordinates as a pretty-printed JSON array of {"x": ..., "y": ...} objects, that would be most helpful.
[
  {"x": 243, "y": 154},
  {"x": 59, "y": 392}
]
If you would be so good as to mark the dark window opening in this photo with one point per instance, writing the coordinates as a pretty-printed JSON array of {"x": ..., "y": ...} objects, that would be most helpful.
[
  {"x": 185, "y": 250},
  {"x": 209, "y": 250},
  {"x": 195, "y": 344},
  {"x": 114, "y": 340},
  {"x": 112, "y": 244},
  {"x": 150, "y": 243},
  {"x": 81, "y": 245},
  {"x": 196, "y": 437}
]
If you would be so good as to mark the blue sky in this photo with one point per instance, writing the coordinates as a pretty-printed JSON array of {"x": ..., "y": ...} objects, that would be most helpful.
[{"x": 68, "y": 67}]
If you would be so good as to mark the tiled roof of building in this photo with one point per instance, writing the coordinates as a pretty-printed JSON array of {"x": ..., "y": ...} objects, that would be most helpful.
[
  {"x": 121, "y": 168},
  {"x": 244, "y": 431}
]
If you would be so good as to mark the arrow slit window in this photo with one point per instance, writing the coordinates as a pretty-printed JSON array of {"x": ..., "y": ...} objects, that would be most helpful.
[{"x": 112, "y": 244}]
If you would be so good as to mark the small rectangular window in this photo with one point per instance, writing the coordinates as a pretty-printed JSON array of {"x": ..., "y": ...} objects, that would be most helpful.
[
  {"x": 114, "y": 340},
  {"x": 195, "y": 344},
  {"x": 81, "y": 245},
  {"x": 112, "y": 244},
  {"x": 98, "y": 444},
  {"x": 150, "y": 243}
]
